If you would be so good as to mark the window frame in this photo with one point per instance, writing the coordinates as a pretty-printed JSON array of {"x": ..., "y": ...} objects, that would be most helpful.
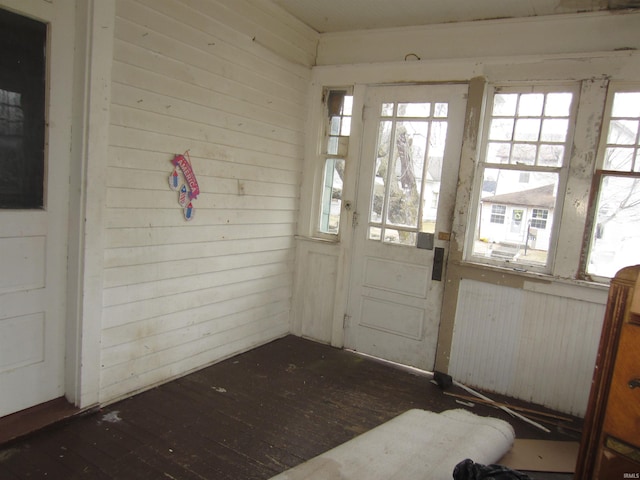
[
  {"x": 600, "y": 173},
  {"x": 481, "y": 165},
  {"x": 323, "y": 157}
]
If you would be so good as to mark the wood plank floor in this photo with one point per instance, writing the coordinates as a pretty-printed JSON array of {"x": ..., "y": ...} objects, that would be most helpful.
[{"x": 248, "y": 417}]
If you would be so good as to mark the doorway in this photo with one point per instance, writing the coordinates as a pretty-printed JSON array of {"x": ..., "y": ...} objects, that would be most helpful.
[{"x": 412, "y": 136}]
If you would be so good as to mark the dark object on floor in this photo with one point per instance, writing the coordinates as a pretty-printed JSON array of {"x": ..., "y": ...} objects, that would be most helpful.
[
  {"x": 468, "y": 470},
  {"x": 443, "y": 380}
]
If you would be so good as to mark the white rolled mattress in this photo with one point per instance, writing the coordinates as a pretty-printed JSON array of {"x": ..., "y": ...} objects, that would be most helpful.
[{"x": 417, "y": 444}]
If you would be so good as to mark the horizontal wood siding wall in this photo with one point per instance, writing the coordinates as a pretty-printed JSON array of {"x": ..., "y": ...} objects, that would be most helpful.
[
  {"x": 180, "y": 295},
  {"x": 530, "y": 345}
]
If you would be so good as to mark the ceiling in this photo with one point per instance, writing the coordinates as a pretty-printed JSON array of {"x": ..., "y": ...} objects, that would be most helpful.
[{"x": 326, "y": 16}]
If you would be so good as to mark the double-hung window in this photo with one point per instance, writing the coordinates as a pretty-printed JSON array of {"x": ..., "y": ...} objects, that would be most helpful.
[
  {"x": 335, "y": 145},
  {"x": 521, "y": 175},
  {"x": 615, "y": 211}
]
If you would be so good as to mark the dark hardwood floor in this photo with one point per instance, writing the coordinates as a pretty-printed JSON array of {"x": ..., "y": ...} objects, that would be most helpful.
[{"x": 249, "y": 417}]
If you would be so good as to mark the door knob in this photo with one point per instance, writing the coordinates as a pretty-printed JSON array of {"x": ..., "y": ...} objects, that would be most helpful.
[{"x": 633, "y": 383}]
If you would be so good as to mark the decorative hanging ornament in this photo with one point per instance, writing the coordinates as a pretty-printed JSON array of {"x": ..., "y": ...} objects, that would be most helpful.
[
  {"x": 187, "y": 170},
  {"x": 174, "y": 179},
  {"x": 182, "y": 197},
  {"x": 189, "y": 212},
  {"x": 183, "y": 180}
]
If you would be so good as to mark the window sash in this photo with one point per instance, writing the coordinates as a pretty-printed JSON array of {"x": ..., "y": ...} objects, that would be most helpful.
[
  {"x": 614, "y": 211},
  {"x": 337, "y": 115},
  {"x": 539, "y": 156}
]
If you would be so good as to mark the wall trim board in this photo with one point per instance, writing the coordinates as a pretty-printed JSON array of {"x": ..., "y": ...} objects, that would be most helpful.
[{"x": 557, "y": 34}]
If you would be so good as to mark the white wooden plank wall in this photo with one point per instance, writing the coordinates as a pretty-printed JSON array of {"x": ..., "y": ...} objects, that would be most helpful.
[
  {"x": 528, "y": 345},
  {"x": 180, "y": 295}
]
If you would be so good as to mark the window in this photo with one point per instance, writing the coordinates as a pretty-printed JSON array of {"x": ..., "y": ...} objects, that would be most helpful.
[
  {"x": 615, "y": 232},
  {"x": 528, "y": 132},
  {"x": 338, "y": 108},
  {"x": 497, "y": 213},
  {"x": 539, "y": 218},
  {"x": 524, "y": 177},
  {"x": 22, "y": 101}
]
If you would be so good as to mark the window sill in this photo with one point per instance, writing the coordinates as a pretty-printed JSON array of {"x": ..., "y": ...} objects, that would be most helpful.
[
  {"x": 534, "y": 281},
  {"x": 326, "y": 241}
]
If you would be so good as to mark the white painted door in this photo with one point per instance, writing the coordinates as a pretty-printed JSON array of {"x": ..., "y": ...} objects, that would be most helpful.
[
  {"x": 33, "y": 235},
  {"x": 407, "y": 187}
]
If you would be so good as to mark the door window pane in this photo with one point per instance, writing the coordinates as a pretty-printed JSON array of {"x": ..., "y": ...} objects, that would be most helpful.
[
  {"x": 433, "y": 176},
  {"x": 406, "y": 182},
  {"x": 22, "y": 109},
  {"x": 407, "y": 169}
]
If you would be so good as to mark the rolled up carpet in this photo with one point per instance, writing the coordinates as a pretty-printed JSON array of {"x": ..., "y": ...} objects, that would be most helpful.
[{"x": 416, "y": 445}]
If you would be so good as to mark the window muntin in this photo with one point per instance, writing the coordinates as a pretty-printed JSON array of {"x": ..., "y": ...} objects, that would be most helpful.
[
  {"x": 615, "y": 233},
  {"x": 526, "y": 143},
  {"x": 337, "y": 129},
  {"x": 529, "y": 128},
  {"x": 408, "y": 170}
]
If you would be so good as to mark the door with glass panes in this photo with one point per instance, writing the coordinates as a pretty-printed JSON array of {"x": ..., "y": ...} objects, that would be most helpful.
[
  {"x": 407, "y": 187},
  {"x": 34, "y": 205}
]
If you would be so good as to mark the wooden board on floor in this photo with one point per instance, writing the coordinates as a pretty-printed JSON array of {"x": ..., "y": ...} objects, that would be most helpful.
[{"x": 542, "y": 456}]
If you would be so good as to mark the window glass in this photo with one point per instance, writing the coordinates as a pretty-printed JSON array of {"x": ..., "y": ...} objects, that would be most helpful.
[
  {"x": 332, "y": 195},
  {"x": 616, "y": 224},
  {"x": 519, "y": 176},
  {"x": 408, "y": 171},
  {"x": 22, "y": 109}
]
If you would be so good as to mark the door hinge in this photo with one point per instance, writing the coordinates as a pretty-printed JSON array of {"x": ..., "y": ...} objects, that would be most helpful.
[
  {"x": 345, "y": 320},
  {"x": 356, "y": 216}
]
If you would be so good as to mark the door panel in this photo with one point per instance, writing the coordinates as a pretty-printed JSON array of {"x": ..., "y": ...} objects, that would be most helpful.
[
  {"x": 407, "y": 181},
  {"x": 32, "y": 296}
]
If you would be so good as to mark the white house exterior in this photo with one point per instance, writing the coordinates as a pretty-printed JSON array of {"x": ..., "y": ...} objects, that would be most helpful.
[{"x": 522, "y": 218}]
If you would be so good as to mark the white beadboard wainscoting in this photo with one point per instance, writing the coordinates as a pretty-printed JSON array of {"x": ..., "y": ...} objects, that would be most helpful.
[
  {"x": 316, "y": 290},
  {"x": 536, "y": 344}
]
